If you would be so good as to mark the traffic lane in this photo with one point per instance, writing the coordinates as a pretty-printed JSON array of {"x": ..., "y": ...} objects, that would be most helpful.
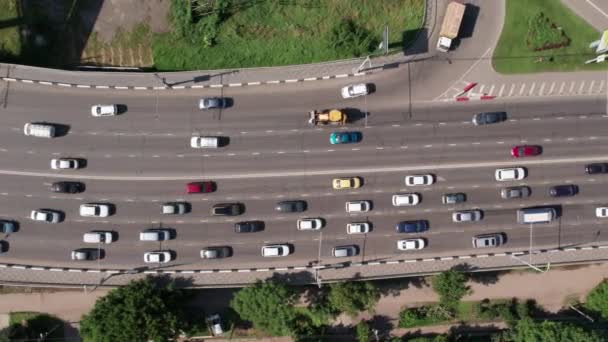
[
  {"x": 151, "y": 151},
  {"x": 165, "y": 108},
  {"x": 329, "y": 201},
  {"x": 127, "y": 251},
  {"x": 278, "y": 188},
  {"x": 171, "y": 111}
]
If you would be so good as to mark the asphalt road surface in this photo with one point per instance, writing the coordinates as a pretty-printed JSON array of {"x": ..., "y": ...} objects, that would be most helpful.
[{"x": 142, "y": 158}]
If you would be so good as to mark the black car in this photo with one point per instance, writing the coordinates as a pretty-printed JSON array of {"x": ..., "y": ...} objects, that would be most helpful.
[
  {"x": 563, "y": 190},
  {"x": 596, "y": 168},
  {"x": 412, "y": 226},
  {"x": 67, "y": 187},
  {"x": 291, "y": 206},
  {"x": 489, "y": 118},
  {"x": 248, "y": 226},
  {"x": 227, "y": 209}
]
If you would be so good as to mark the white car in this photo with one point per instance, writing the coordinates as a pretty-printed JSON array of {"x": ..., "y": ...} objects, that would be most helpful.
[
  {"x": 174, "y": 208},
  {"x": 411, "y": 244},
  {"x": 45, "y": 215},
  {"x": 98, "y": 236},
  {"x": 467, "y": 216},
  {"x": 104, "y": 110},
  {"x": 601, "y": 211},
  {"x": 65, "y": 164},
  {"x": 94, "y": 210},
  {"x": 513, "y": 173},
  {"x": 354, "y": 90},
  {"x": 358, "y": 206},
  {"x": 400, "y": 200},
  {"x": 310, "y": 224},
  {"x": 358, "y": 228},
  {"x": 275, "y": 250},
  {"x": 157, "y": 257},
  {"x": 415, "y": 180}
]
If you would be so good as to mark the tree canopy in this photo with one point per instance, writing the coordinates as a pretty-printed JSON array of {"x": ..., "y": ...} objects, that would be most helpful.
[
  {"x": 597, "y": 299},
  {"x": 268, "y": 305},
  {"x": 140, "y": 311},
  {"x": 353, "y": 296},
  {"x": 451, "y": 287},
  {"x": 526, "y": 330}
]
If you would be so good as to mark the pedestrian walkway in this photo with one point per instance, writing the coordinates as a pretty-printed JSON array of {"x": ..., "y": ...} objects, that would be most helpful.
[{"x": 551, "y": 290}]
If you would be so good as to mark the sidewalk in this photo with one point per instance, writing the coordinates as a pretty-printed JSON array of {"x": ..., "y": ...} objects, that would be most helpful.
[{"x": 550, "y": 290}]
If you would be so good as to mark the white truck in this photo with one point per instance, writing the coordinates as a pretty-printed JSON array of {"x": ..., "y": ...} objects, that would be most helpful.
[{"x": 451, "y": 25}]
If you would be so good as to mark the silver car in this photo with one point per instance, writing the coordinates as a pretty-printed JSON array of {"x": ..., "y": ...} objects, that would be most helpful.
[
  {"x": 515, "y": 192},
  {"x": 345, "y": 251},
  {"x": 216, "y": 252},
  {"x": 211, "y": 103},
  {"x": 45, "y": 215},
  {"x": 467, "y": 215},
  {"x": 488, "y": 240}
]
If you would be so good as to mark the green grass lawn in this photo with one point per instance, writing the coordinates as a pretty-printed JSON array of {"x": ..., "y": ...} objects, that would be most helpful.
[
  {"x": 512, "y": 55},
  {"x": 271, "y": 33},
  {"x": 10, "y": 46}
]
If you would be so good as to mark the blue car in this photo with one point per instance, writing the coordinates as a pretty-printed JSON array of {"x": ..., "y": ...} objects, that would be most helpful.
[
  {"x": 412, "y": 226},
  {"x": 344, "y": 137}
]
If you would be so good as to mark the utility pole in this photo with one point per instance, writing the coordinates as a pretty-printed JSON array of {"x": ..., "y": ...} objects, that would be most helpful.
[{"x": 317, "y": 276}]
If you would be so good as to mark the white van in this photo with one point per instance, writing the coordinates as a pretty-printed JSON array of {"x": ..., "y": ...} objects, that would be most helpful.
[
  {"x": 536, "y": 215},
  {"x": 39, "y": 130},
  {"x": 204, "y": 142}
]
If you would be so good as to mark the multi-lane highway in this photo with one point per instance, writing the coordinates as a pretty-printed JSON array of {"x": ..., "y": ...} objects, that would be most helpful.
[{"x": 142, "y": 158}]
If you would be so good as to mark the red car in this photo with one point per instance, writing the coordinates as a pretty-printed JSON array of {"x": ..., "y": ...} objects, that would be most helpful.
[
  {"x": 200, "y": 187},
  {"x": 525, "y": 151}
]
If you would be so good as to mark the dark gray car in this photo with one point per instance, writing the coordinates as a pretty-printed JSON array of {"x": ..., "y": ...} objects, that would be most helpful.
[
  {"x": 67, "y": 187},
  {"x": 291, "y": 206},
  {"x": 489, "y": 118},
  {"x": 412, "y": 226},
  {"x": 7, "y": 227},
  {"x": 227, "y": 209},
  {"x": 248, "y": 226},
  {"x": 454, "y": 198},
  {"x": 515, "y": 192},
  {"x": 563, "y": 190}
]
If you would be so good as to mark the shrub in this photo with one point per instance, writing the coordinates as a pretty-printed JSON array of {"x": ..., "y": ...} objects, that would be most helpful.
[
  {"x": 543, "y": 34},
  {"x": 424, "y": 315},
  {"x": 362, "y": 331}
]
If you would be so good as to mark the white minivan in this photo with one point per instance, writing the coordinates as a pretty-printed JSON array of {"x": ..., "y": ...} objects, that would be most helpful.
[
  {"x": 39, "y": 130},
  {"x": 204, "y": 142}
]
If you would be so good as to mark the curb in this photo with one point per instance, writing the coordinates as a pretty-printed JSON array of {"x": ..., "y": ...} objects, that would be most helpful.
[
  {"x": 167, "y": 87},
  {"x": 296, "y": 268}
]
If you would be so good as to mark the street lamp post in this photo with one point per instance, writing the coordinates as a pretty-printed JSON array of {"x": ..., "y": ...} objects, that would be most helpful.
[{"x": 317, "y": 276}]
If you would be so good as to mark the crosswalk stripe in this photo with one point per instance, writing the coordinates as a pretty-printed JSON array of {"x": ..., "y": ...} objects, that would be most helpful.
[
  {"x": 532, "y": 89},
  {"x": 552, "y": 87},
  {"x": 502, "y": 87},
  {"x": 542, "y": 87},
  {"x": 521, "y": 90},
  {"x": 580, "y": 89},
  {"x": 571, "y": 87},
  {"x": 491, "y": 90},
  {"x": 590, "y": 90},
  {"x": 512, "y": 88},
  {"x": 561, "y": 88}
]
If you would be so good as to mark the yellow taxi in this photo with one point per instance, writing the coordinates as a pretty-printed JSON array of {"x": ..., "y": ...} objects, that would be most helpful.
[{"x": 346, "y": 183}]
